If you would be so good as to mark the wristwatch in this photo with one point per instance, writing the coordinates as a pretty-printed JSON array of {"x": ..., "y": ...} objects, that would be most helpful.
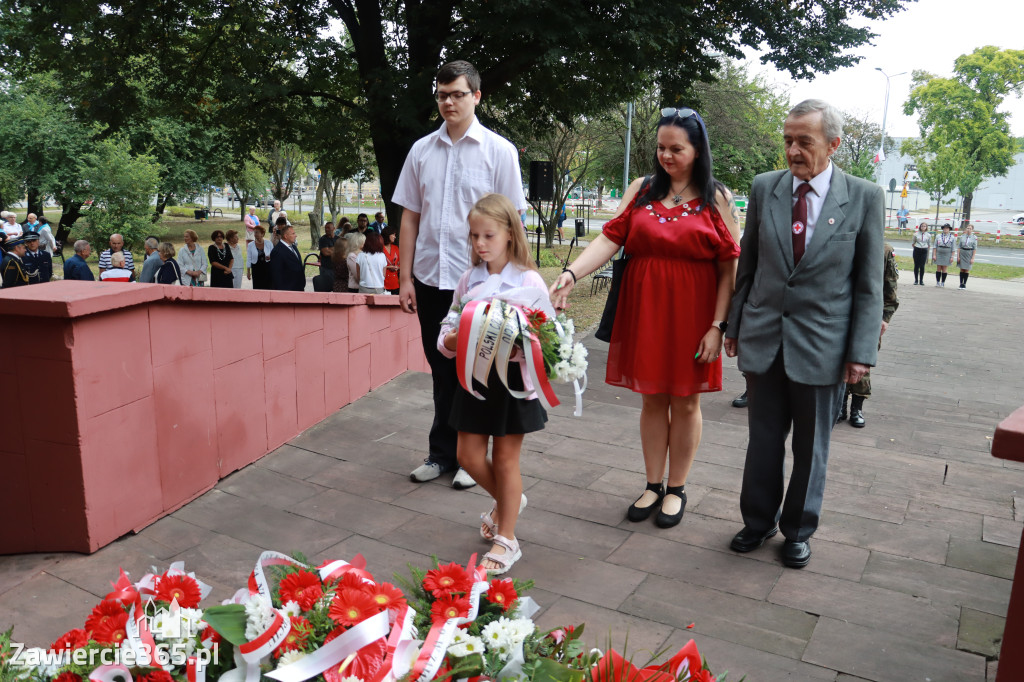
[{"x": 721, "y": 324}]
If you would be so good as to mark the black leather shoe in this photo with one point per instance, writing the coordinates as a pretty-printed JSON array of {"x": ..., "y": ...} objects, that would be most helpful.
[
  {"x": 740, "y": 400},
  {"x": 747, "y": 540},
  {"x": 663, "y": 520},
  {"x": 636, "y": 513},
  {"x": 857, "y": 418},
  {"x": 796, "y": 554}
]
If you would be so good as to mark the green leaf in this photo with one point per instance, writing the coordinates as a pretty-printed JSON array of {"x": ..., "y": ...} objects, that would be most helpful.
[
  {"x": 548, "y": 670},
  {"x": 229, "y": 621}
]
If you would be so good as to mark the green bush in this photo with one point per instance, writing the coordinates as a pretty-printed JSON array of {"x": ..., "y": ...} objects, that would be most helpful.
[{"x": 121, "y": 185}]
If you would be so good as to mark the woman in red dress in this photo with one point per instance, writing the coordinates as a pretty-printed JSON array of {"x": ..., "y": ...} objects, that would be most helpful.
[{"x": 679, "y": 228}]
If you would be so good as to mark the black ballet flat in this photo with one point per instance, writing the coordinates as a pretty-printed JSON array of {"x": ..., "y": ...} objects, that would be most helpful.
[
  {"x": 636, "y": 513},
  {"x": 663, "y": 520}
]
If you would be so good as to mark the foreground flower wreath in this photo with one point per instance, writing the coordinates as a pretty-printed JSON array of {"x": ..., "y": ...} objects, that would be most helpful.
[{"x": 330, "y": 623}]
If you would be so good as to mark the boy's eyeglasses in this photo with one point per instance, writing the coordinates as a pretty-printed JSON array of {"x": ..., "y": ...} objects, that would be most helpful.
[{"x": 456, "y": 96}]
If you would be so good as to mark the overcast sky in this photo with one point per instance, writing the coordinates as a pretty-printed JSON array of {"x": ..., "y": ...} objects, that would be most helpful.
[{"x": 927, "y": 35}]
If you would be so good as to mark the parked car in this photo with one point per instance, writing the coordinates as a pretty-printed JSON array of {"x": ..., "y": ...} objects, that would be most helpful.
[{"x": 1019, "y": 219}]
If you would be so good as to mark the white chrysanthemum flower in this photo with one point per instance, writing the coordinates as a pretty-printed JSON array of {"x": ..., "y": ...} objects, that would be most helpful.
[
  {"x": 292, "y": 608},
  {"x": 259, "y": 614},
  {"x": 465, "y": 645},
  {"x": 289, "y": 657},
  {"x": 521, "y": 628},
  {"x": 579, "y": 354},
  {"x": 494, "y": 633}
]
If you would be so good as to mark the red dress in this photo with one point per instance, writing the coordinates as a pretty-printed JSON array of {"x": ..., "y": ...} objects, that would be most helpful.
[{"x": 667, "y": 301}]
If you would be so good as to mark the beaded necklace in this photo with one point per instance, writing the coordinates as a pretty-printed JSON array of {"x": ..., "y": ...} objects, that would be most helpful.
[{"x": 670, "y": 219}]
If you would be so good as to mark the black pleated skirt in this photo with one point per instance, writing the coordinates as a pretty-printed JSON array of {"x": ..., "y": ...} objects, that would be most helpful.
[{"x": 499, "y": 414}]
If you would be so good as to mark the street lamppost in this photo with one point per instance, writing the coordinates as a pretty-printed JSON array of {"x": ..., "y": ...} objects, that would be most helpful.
[
  {"x": 885, "y": 110},
  {"x": 885, "y": 115}
]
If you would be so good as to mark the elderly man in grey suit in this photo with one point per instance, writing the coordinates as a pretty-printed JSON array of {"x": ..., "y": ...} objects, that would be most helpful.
[{"x": 804, "y": 321}]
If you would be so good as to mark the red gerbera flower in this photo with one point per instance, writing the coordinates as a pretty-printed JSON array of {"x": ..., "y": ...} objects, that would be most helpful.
[
  {"x": 352, "y": 606},
  {"x": 350, "y": 581},
  {"x": 445, "y": 580},
  {"x": 388, "y": 596},
  {"x": 155, "y": 676},
  {"x": 502, "y": 592},
  {"x": 105, "y": 610},
  {"x": 71, "y": 640},
  {"x": 364, "y": 666},
  {"x": 111, "y": 630},
  {"x": 535, "y": 317},
  {"x": 303, "y": 588},
  {"x": 449, "y": 606},
  {"x": 68, "y": 677},
  {"x": 297, "y": 637},
  {"x": 180, "y": 587}
]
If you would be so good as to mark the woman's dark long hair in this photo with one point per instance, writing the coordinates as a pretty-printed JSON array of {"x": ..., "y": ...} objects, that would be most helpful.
[{"x": 658, "y": 184}]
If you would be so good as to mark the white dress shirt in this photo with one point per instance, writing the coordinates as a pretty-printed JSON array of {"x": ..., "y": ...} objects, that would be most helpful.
[
  {"x": 815, "y": 198},
  {"x": 441, "y": 181}
]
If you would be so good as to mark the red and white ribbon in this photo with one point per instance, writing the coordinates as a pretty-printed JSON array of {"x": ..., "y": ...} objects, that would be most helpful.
[
  {"x": 334, "y": 652},
  {"x": 487, "y": 333},
  {"x": 440, "y": 637}
]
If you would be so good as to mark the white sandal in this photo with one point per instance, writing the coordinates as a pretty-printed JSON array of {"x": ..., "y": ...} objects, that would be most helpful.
[
  {"x": 488, "y": 528},
  {"x": 512, "y": 554}
]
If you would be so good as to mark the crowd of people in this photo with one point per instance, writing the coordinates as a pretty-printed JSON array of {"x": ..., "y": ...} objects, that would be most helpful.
[{"x": 269, "y": 261}]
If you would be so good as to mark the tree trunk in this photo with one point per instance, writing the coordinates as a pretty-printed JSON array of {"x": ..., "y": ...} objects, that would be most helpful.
[
  {"x": 966, "y": 217},
  {"x": 35, "y": 201},
  {"x": 161, "y": 204},
  {"x": 318, "y": 209},
  {"x": 314, "y": 230}
]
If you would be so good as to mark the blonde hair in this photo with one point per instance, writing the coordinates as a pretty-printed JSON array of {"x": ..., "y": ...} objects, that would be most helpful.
[
  {"x": 355, "y": 242},
  {"x": 192, "y": 235},
  {"x": 166, "y": 249},
  {"x": 499, "y": 208}
]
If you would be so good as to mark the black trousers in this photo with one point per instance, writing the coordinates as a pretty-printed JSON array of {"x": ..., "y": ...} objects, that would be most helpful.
[
  {"x": 920, "y": 258},
  {"x": 432, "y": 304}
]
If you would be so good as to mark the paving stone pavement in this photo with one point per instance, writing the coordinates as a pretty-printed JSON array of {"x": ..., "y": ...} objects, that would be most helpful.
[{"x": 909, "y": 580}]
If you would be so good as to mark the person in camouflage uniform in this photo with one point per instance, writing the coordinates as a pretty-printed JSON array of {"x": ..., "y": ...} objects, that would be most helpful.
[{"x": 890, "y": 302}]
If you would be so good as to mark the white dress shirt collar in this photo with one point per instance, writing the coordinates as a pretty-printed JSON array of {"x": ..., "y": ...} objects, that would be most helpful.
[
  {"x": 474, "y": 132},
  {"x": 815, "y": 198}
]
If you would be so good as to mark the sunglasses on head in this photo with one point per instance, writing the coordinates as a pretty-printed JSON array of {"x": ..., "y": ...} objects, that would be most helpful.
[{"x": 685, "y": 112}]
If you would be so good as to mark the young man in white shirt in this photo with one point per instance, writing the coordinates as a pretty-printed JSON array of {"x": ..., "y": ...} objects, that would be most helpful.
[{"x": 444, "y": 174}]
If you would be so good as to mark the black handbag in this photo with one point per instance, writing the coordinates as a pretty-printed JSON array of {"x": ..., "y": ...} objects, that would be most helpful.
[{"x": 604, "y": 328}]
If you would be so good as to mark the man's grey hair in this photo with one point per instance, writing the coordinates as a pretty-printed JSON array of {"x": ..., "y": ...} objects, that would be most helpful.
[
  {"x": 117, "y": 259},
  {"x": 152, "y": 243},
  {"x": 81, "y": 245},
  {"x": 831, "y": 119}
]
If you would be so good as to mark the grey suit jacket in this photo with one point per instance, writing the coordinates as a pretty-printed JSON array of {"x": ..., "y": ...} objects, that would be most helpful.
[{"x": 827, "y": 310}]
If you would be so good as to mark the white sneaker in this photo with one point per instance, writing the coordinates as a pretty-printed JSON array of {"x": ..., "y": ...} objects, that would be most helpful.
[
  {"x": 427, "y": 471},
  {"x": 462, "y": 480}
]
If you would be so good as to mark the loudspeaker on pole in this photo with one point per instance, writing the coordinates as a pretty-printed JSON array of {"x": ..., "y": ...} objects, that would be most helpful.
[{"x": 542, "y": 181}]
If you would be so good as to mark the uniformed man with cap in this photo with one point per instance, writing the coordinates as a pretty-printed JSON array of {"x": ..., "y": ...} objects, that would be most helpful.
[
  {"x": 38, "y": 263},
  {"x": 890, "y": 302},
  {"x": 12, "y": 268}
]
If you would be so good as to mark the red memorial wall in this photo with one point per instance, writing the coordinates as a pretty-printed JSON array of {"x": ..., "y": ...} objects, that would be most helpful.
[{"x": 122, "y": 402}]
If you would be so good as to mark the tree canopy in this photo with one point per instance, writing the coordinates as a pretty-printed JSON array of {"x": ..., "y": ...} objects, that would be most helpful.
[
  {"x": 962, "y": 129},
  {"x": 263, "y": 67}
]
